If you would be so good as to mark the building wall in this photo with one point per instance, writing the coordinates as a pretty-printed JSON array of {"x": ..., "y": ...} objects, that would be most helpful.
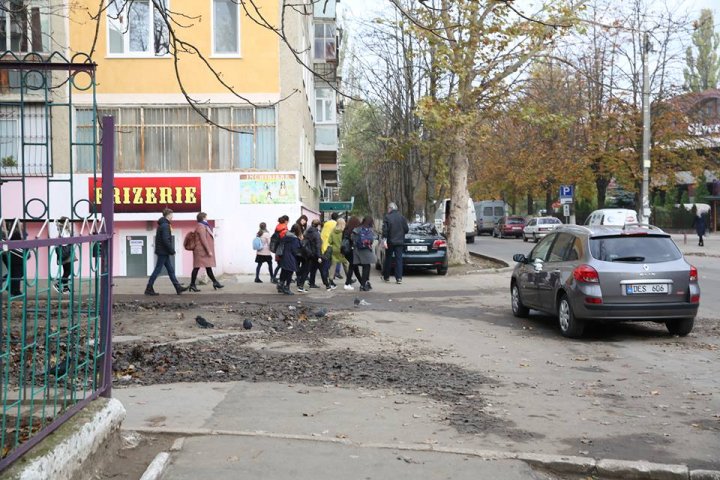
[{"x": 254, "y": 71}]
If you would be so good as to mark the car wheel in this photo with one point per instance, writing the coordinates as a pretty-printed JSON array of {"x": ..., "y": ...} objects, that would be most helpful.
[
  {"x": 535, "y": 238},
  {"x": 518, "y": 308},
  {"x": 680, "y": 326},
  {"x": 569, "y": 325},
  {"x": 525, "y": 239},
  {"x": 442, "y": 270},
  {"x": 471, "y": 239}
]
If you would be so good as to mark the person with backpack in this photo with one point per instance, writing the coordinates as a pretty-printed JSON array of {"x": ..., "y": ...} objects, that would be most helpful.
[
  {"x": 363, "y": 238},
  {"x": 313, "y": 251},
  {"x": 394, "y": 229},
  {"x": 287, "y": 252},
  {"x": 263, "y": 255},
  {"x": 203, "y": 252},
  {"x": 338, "y": 258},
  {"x": 164, "y": 249},
  {"x": 280, "y": 230}
]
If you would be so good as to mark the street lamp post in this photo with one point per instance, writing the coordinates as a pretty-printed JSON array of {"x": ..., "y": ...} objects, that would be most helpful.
[{"x": 644, "y": 212}]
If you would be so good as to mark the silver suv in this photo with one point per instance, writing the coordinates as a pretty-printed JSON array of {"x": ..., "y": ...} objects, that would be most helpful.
[{"x": 608, "y": 274}]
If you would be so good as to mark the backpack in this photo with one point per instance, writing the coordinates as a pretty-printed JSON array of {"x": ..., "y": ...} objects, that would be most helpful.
[
  {"x": 280, "y": 250},
  {"x": 257, "y": 244},
  {"x": 306, "y": 250},
  {"x": 346, "y": 247},
  {"x": 274, "y": 243},
  {"x": 365, "y": 239},
  {"x": 190, "y": 241}
]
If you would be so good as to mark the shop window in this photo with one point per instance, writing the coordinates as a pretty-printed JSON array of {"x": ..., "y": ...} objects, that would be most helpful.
[{"x": 167, "y": 139}]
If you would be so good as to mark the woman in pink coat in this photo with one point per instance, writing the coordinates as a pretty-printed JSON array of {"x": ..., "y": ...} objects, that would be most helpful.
[{"x": 204, "y": 252}]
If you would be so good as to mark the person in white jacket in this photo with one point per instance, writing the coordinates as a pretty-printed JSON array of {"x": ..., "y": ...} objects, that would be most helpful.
[{"x": 263, "y": 254}]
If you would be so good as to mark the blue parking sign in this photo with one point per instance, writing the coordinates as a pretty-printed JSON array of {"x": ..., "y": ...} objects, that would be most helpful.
[{"x": 567, "y": 191}]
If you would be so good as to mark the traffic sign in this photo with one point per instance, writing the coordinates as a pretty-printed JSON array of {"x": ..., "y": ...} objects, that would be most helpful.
[
  {"x": 567, "y": 191},
  {"x": 566, "y": 210},
  {"x": 336, "y": 206}
]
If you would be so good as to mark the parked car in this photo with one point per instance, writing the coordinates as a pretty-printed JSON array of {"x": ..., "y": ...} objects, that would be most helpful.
[
  {"x": 538, "y": 227},
  {"x": 424, "y": 248},
  {"x": 607, "y": 274},
  {"x": 509, "y": 227},
  {"x": 443, "y": 213},
  {"x": 488, "y": 212},
  {"x": 612, "y": 216}
]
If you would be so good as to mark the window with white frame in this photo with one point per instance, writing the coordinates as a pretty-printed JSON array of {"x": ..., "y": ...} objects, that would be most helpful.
[
  {"x": 325, "y": 46},
  {"x": 24, "y": 26},
  {"x": 137, "y": 28},
  {"x": 226, "y": 28},
  {"x": 325, "y": 110},
  {"x": 178, "y": 139}
]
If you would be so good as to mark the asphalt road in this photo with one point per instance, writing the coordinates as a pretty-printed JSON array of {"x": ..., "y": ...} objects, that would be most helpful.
[{"x": 707, "y": 262}]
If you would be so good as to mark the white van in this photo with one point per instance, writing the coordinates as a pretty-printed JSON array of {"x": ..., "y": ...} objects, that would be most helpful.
[
  {"x": 612, "y": 216},
  {"x": 443, "y": 213},
  {"x": 488, "y": 212}
]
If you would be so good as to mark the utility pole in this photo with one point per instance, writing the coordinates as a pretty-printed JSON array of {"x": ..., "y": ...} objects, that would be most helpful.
[{"x": 644, "y": 212}]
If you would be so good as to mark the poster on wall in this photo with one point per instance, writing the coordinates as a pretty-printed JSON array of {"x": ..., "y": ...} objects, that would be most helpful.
[
  {"x": 150, "y": 194},
  {"x": 268, "y": 188}
]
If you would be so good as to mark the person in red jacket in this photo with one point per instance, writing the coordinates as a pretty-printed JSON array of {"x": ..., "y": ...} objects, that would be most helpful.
[{"x": 281, "y": 229}]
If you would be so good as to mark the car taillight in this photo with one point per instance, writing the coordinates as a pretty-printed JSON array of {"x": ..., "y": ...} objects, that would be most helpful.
[
  {"x": 593, "y": 300},
  {"x": 439, "y": 244},
  {"x": 695, "y": 299},
  {"x": 586, "y": 274},
  {"x": 693, "y": 274}
]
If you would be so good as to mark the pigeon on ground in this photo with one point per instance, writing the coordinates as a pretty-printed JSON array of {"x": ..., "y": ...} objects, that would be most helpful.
[
  {"x": 203, "y": 323},
  {"x": 61, "y": 367},
  {"x": 357, "y": 301},
  {"x": 247, "y": 324},
  {"x": 321, "y": 312}
]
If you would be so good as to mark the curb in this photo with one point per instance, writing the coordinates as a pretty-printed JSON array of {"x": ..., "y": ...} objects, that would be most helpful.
[
  {"x": 607, "y": 468},
  {"x": 63, "y": 454},
  {"x": 156, "y": 467},
  {"x": 504, "y": 268}
]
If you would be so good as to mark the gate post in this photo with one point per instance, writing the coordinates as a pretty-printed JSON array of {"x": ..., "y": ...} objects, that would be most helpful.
[{"x": 108, "y": 179}]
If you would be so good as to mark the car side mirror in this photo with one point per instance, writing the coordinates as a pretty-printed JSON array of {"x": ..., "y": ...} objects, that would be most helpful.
[{"x": 519, "y": 258}]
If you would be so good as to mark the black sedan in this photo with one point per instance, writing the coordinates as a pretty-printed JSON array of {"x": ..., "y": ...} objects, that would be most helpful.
[{"x": 424, "y": 248}]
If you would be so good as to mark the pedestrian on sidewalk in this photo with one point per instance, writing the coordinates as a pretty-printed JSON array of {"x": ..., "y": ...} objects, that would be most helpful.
[
  {"x": 289, "y": 248},
  {"x": 700, "y": 225},
  {"x": 363, "y": 238},
  {"x": 325, "y": 233},
  {"x": 280, "y": 230},
  {"x": 204, "y": 253},
  {"x": 348, "y": 250},
  {"x": 313, "y": 249},
  {"x": 263, "y": 254},
  {"x": 164, "y": 249},
  {"x": 14, "y": 259},
  {"x": 394, "y": 229},
  {"x": 303, "y": 267},
  {"x": 64, "y": 256},
  {"x": 338, "y": 258}
]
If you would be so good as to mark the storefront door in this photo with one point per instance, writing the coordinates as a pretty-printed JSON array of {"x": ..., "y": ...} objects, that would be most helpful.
[{"x": 136, "y": 255}]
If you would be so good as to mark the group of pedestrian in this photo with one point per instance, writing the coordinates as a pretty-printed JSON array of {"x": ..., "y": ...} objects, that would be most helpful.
[{"x": 301, "y": 251}]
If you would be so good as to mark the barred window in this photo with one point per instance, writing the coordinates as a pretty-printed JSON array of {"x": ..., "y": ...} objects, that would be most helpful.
[
  {"x": 167, "y": 139},
  {"x": 24, "y": 145}
]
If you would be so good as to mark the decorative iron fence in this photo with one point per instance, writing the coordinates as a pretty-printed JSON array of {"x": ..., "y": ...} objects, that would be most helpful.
[{"x": 56, "y": 250}]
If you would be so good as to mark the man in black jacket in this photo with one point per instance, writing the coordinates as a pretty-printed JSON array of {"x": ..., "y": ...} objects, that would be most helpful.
[
  {"x": 314, "y": 247},
  {"x": 164, "y": 249},
  {"x": 394, "y": 229}
]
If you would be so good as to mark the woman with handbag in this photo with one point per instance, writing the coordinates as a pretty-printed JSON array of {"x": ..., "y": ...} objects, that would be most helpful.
[
  {"x": 263, "y": 255},
  {"x": 203, "y": 253}
]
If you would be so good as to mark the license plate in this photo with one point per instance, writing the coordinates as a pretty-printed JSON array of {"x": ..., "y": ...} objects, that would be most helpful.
[
  {"x": 647, "y": 289},
  {"x": 417, "y": 248}
]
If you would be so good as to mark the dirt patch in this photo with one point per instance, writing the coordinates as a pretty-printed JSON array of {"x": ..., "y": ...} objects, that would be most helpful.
[{"x": 475, "y": 266}]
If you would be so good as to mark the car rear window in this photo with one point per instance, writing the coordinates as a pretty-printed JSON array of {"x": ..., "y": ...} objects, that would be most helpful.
[
  {"x": 487, "y": 211},
  {"x": 549, "y": 221},
  {"x": 634, "y": 249},
  {"x": 499, "y": 211},
  {"x": 515, "y": 221},
  {"x": 422, "y": 229}
]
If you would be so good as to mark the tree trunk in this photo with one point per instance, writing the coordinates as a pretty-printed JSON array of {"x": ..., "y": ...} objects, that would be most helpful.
[
  {"x": 457, "y": 245},
  {"x": 601, "y": 184},
  {"x": 548, "y": 201},
  {"x": 530, "y": 204}
]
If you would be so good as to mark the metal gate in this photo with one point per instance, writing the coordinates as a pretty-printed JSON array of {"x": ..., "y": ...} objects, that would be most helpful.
[{"x": 56, "y": 248}]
